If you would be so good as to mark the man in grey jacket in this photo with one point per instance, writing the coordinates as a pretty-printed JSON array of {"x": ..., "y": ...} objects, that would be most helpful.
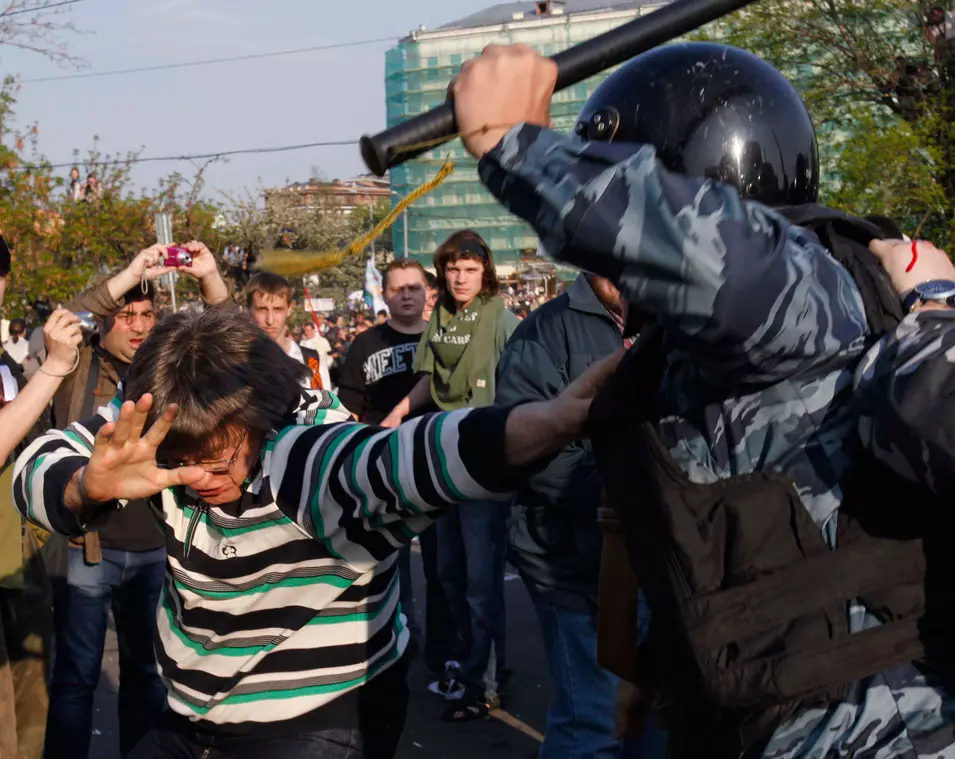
[{"x": 555, "y": 540}]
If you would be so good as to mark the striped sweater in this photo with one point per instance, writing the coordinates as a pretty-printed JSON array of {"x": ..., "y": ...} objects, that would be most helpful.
[{"x": 276, "y": 606}]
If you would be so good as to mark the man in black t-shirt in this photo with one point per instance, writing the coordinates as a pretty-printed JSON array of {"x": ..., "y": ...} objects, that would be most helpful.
[{"x": 378, "y": 371}]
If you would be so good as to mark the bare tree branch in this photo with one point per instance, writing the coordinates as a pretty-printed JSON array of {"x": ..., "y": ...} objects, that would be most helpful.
[{"x": 28, "y": 25}]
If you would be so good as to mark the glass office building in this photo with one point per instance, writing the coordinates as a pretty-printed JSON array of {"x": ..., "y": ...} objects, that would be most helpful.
[{"x": 418, "y": 71}]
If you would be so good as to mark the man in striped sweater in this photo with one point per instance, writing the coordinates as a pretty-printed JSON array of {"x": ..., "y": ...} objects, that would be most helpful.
[{"x": 280, "y": 631}]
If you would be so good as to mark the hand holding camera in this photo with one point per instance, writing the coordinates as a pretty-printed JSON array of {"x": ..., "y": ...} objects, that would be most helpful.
[
  {"x": 148, "y": 265},
  {"x": 177, "y": 257},
  {"x": 193, "y": 259}
]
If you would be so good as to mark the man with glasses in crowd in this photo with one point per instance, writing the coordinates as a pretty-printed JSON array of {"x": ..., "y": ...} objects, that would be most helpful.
[{"x": 119, "y": 567}]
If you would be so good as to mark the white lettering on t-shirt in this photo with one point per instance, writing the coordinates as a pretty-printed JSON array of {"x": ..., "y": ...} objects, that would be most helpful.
[{"x": 397, "y": 359}]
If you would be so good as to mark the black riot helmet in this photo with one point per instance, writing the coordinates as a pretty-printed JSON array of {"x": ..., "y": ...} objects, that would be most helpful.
[{"x": 712, "y": 111}]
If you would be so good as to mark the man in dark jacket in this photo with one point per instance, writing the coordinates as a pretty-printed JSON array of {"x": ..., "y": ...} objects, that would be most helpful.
[{"x": 555, "y": 540}]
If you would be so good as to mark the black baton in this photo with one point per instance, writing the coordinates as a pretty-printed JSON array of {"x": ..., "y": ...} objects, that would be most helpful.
[{"x": 394, "y": 146}]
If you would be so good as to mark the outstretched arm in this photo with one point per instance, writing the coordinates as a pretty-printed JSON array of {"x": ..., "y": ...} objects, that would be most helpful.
[
  {"x": 63, "y": 337},
  {"x": 363, "y": 491},
  {"x": 67, "y": 479}
]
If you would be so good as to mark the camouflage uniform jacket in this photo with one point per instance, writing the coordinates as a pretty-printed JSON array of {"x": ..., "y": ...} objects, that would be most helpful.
[{"x": 765, "y": 333}]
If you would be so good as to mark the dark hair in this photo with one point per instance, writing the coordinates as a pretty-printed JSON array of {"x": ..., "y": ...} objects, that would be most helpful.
[
  {"x": 400, "y": 264},
  {"x": 267, "y": 283},
  {"x": 17, "y": 325},
  {"x": 222, "y": 371},
  {"x": 430, "y": 279},
  {"x": 466, "y": 244},
  {"x": 136, "y": 295}
]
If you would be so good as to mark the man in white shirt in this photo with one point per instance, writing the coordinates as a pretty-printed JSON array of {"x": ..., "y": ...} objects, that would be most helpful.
[
  {"x": 17, "y": 347},
  {"x": 269, "y": 298},
  {"x": 314, "y": 341}
]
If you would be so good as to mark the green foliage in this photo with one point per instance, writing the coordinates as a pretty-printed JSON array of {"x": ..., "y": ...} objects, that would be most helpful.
[
  {"x": 282, "y": 224},
  {"x": 880, "y": 90},
  {"x": 60, "y": 246}
]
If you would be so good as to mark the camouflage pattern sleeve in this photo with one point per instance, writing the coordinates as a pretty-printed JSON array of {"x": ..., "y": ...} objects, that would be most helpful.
[
  {"x": 754, "y": 298},
  {"x": 905, "y": 385}
]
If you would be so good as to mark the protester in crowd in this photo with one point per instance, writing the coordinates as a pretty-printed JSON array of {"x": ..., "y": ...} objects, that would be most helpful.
[
  {"x": 92, "y": 189},
  {"x": 120, "y": 566},
  {"x": 75, "y": 188},
  {"x": 25, "y": 597},
  {"x": 377, "y": 374},
  {"x": 36, "y": 354},
  {"x": 280, "y": 514},
  {"x": 554, "y": 538},
  {"x": 458, "y": 357},
  {"x": 236, "y": 261},
  {"x": 17, "y": 347},
  {"x": 379, "y": 371},
  {"x": 313, "y": 340},
  {"x": 269, "y": 298},
  {"x": 333, "y": 327},
  {"x": 382, "y": 317},
  {"x": 431, "y": 296}
]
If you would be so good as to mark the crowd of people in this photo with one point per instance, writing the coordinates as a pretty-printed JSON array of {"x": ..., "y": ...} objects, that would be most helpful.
[
  {"x": 87, "y": 191},
  {"x": 716, "y": 460}
]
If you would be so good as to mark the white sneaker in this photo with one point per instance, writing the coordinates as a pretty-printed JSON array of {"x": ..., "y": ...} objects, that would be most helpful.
[{"x": 450, "y": 687}]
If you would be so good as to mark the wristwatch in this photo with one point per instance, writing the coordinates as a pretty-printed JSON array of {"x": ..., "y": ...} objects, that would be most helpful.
[{"x": 933, "y": 291}]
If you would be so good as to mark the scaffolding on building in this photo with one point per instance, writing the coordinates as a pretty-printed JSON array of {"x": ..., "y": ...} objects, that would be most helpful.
[{"x": 418, "y": 71}]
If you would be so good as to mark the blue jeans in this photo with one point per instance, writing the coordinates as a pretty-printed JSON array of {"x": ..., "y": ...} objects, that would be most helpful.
[
  {"x": 580, "y": 722},
  {"x": 441, "y": 640},
  {"x": 472, "y": 538},
  {"x": 130, "y": 584}
]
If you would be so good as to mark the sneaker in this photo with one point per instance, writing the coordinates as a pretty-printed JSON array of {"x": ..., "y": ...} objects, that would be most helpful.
[
  {"x": 492, "y": 700},
  {"x": 449, "y": 687}
]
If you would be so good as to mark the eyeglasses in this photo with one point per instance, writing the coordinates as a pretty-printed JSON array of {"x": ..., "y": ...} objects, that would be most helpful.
[{"x": 219, "y": 468}]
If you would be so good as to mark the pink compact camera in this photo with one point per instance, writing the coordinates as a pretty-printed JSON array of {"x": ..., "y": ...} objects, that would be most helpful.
[{"x": 177, "y": 257}]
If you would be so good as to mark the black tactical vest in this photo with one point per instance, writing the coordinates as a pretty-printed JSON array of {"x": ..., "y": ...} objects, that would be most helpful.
[{"x": 750, "y": 616}]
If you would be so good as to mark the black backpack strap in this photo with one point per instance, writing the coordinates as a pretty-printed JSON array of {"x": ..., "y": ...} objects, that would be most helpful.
[{"x": 89, "y": 393}]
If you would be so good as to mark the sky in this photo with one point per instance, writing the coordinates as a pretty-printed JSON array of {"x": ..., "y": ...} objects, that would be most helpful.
[{"x": 320, "y": 96}]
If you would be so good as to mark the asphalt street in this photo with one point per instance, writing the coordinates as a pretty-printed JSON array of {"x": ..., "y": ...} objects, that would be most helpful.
[{"x": 513, "y": 732}]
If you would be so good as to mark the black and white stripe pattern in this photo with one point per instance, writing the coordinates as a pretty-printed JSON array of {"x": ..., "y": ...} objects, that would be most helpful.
[{"x": 287, "y": 600}]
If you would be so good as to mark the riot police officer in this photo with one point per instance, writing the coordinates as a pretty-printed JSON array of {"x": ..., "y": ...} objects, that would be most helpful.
[{"x": 787, "y": 585}]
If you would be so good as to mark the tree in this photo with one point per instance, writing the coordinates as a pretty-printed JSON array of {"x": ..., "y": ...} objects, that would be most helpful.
[
  {"x": 283, "y": 223},
  {"x": 32, "y": 25},
  {"x": 60, "y": 246},
  {"x": 365, "y": 219},
  {"x": 877, "y": 77}
]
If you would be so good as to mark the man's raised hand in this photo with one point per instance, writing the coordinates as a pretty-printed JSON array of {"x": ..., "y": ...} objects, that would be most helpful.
[
  {"x": 123, "y": 462},
  {"x": 504, "y": 86}
]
